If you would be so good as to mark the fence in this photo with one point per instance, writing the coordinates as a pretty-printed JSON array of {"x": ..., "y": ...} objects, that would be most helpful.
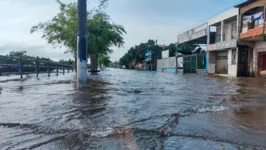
[
  {"x": 194, "y": 62},
  {"x": 24, "y": 66},
  {"x": 185, "y": 63},
  {"x": 166, "y": 65}
]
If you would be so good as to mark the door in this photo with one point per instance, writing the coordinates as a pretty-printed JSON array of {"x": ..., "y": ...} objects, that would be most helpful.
[
  {"x": 262, "y": 64},
  {"x": 222, "y": 62},
  {"x": 264, "y": 61},
  {"x": 190, "y": 64},
  {"x": 243, "y": 62}
]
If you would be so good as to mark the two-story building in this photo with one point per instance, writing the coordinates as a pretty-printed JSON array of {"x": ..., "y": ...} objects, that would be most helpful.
[
  {"x": 252, "y": 45},
  {"x": 223, "y": 43}
]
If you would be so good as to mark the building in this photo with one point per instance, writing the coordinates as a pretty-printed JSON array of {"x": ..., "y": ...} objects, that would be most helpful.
[
  {"x": 194, "y": 60},
  {"x": 223, "y": 43},
  {"x": 252, "y": 45}
]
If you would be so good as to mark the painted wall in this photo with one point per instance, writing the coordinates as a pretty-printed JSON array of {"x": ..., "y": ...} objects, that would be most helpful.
[
  {"x": 160, "y": 63},
  {"x": 260, "y": 46},
  {"x": 159, "y": 70},
  {"x": 223, "y": 16},
  {"x": 211, "y": 62},
  {"x": 232, "y": 68},
  {"x": 167, "y": 65},
  {"x": 252, "y": 5}
]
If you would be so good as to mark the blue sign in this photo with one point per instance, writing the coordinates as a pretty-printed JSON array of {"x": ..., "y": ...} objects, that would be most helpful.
[{"x": 148, "y": 55}]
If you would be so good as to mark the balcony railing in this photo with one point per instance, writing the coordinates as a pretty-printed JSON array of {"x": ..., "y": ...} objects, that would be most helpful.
[
  {"x": 252, "y": 24},
  {"x": 252, "y": 29}
]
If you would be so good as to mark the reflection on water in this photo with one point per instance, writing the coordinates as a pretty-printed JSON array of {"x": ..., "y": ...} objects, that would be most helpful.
[
  {"x": 251, "y": 118},
  {"x": 124, "y": 109}
]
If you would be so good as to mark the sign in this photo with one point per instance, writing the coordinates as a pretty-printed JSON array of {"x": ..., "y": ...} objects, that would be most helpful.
[
  {"x": 165, "y": 54},
  {"x": 192, "y": 34},
  {"x": 180, "y": 62},
  {"x": 148, "y": 55},
  {"x": 223, "y": 45}
]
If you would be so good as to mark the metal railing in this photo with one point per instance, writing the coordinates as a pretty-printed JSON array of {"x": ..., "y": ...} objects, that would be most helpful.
[{"x": 23, "y": 66}]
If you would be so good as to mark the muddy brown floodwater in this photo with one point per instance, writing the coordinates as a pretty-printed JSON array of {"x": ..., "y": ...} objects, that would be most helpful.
[{"x": 124, "y": 109}]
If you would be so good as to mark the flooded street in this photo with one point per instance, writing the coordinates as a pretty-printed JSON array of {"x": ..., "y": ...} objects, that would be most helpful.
[{"x": 125, "y": 109}]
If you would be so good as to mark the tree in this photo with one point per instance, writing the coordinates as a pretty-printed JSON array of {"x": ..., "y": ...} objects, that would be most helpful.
[
  {"x": 102, "y": 35},
  {"x": 13, "y": 56},
  {"x": 104, "y": 60},
  {"x": 136, "y": 54},
  {"x": 61, "y": 30}
]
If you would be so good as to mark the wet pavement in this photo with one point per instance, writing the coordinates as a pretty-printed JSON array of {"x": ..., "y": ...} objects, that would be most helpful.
[{"x": 125, "y": 109}]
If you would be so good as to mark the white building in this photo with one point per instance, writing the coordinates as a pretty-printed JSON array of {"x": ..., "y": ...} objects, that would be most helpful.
[{"x": 223, "y": 43}]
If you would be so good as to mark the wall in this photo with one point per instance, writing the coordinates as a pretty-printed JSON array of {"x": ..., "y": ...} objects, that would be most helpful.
[
  {"x": 252, "y": 33},
  {"x": 252, "y": 5},
  {"x": 160, "y": 63},
  {"x": 230, "y": 28},
  {"x": 166, "y": 65},
  {"x": 260, "y": 46},
  {"x": 229, "y": 31},
  {"x": 232, "y": 68},
  {"x": 171, "y": 62},
  {"x": 212, "y": 62},
  {"x": 223, "y": 16}
]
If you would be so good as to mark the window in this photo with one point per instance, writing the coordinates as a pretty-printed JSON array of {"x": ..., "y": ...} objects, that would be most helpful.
[
  {"x": 218, "y": 34},
  {"x": 225, "y": 34},
  {"x": 233, "y": 56},
  {"x": 234, "y": 30},
  {"x": 222, "y": 57}
]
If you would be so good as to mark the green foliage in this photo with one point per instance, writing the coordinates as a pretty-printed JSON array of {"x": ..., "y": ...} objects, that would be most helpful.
[
  {"x": 14, "y": 56},
  {"x": 136, "y": 54},
  {"x": 104, "y": 60},
  {"x": 102, "y": 35},
  {"x": 61, "y": 30}
]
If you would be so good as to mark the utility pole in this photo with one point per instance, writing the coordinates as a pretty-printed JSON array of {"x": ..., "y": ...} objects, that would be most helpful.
[{"x": 82, "y": 44}]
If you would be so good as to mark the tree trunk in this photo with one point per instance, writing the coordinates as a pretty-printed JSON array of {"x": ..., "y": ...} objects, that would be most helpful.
[{"x": 94, "y": 64}]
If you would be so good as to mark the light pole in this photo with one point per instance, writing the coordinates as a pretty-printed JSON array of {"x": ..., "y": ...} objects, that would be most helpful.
[{"x": 82, "y": 44}]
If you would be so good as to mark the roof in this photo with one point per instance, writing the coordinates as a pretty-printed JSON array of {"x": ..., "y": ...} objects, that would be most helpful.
[{"x": 245, "y": 3}]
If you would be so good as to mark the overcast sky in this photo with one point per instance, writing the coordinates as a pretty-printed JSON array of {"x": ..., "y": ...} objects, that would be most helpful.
[{"x": 142, "y": 19}]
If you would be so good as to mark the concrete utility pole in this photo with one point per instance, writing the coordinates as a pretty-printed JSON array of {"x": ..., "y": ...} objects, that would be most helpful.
[{"x": 82, "y": 44}]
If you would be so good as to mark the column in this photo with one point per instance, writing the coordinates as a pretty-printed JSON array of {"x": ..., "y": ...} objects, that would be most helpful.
[{"x": 222, "y": 31}]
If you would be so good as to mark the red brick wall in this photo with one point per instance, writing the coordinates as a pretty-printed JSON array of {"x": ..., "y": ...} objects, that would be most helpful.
[{"x": 252, "y": 32}]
